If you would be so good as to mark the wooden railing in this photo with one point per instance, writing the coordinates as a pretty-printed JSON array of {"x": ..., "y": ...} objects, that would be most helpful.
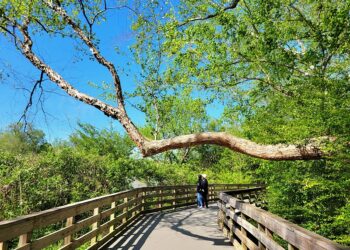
[
  {"x": 92, "y": 223},
  {"x": 250, "y": 227}
]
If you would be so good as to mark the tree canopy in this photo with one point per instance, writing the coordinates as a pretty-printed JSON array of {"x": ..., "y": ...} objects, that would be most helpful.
[{"x": 279, "y": 68}]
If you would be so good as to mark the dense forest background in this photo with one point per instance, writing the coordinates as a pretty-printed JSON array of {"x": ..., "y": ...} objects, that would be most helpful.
[
  {"x": 37, "y": 175},
  {"x": 269, "y": 71}
]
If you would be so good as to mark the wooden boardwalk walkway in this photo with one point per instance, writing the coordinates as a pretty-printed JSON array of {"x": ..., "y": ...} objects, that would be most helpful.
[
  {"x": 190, "y": 228},
  {"x": 99, "y": 223}
]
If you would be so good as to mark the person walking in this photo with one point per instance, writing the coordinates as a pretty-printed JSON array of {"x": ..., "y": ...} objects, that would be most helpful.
[
  {"x": 205, "y": 190},
  {"x": 200, "y": 192}
]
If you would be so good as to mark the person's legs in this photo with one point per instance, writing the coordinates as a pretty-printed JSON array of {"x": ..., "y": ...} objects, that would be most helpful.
[
  {"x": 205, "y": 200},
  {"x": 200, "y": 200}
]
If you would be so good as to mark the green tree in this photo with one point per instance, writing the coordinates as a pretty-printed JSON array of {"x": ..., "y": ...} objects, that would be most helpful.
[
  {"x": 251, "y": 49},
  {"x": 19, "y": 140},
  {"x": 102, "y": 142}
]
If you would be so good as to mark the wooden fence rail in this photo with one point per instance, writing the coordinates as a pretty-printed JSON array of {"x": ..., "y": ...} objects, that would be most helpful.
[
  {"x": 92, "y": 223},
  {"x": 250, "y": 227}
]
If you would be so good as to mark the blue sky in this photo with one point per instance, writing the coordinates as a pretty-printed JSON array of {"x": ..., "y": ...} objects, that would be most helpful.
[{"x": 62, "y": 111}]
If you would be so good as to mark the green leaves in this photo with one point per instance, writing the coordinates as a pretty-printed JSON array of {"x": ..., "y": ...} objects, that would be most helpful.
[{"x": 102, "y": 142}]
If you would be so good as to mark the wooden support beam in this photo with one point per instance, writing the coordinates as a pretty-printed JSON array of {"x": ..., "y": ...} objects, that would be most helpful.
[
  {"x": 68, "y": 239},
  {"x": 262, "y": 229},
  {"x": 112, "y": 216},
  {"x": 4, "y": 245},
  {"x": 24, "y": 239},
  {"x": 174, "y": 195},
  {"x": 160, "y": 198},
  {"x": 95, "y": 226},
  {"x": 291, "y": 247},
  {"x": 143, "y": 201},
  {"x": 125, "y": 210},
  {"x": 244, "y": 233}
]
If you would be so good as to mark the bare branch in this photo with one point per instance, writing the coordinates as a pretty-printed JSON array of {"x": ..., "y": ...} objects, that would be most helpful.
[
  {"x": 86, "y": 17},
  {"x": 30, "y": 101},
  {"x": 106, "y": 8},
  {"x": 232, "y": 5}
]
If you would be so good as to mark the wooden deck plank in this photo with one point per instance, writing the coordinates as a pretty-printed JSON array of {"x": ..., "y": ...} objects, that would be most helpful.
[{"x": 183, "y": 229}]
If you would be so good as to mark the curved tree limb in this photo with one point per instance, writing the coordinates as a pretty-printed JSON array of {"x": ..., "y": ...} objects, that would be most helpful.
[
  {"x": 96, "y": 53},
  {"x": 267, "y": 152},
  {"x": 108, "y": 110},
  {"x": 147, "y": 147}
]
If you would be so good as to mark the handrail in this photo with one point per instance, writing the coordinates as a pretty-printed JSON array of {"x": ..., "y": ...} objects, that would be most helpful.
[
  {"x": 99, "y": 219},
  {"x": 248, "y": 226}
]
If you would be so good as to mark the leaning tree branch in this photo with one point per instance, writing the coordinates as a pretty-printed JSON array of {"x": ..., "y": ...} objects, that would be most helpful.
[
  {"x": 96, "y": 53},
  {"x": 268, "y": 152},
  {"x": 148, "y": 148},
  {"x": 116, "y": 113}
]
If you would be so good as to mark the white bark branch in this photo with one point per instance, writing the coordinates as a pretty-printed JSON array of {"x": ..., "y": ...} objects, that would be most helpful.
[
  {"x": 268, "y": 152},
  {"x": 96, "y": 53}
]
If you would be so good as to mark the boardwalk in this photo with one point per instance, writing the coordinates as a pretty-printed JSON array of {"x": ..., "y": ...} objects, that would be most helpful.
[
  {"x": 100, "y": 223},
  {"x": 184, "y": 229}
]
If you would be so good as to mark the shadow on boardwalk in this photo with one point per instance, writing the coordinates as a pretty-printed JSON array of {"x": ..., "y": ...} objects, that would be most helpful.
[
  {"x": 179, "y": 225},
  {"x": 136, "y": 236},
  {"x": 184, "y": 229}
]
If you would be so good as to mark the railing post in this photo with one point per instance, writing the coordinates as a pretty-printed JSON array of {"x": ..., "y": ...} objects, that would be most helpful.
[
  {"x": 125, "y": 210},
  {"x": 262, "y": 229},
  {"x": 95, "y": 225},
  {"x": 232, "y": 226},
  {"x": 244, "y": 232},
  {"x": 134, "y": 212},
  {"x": 174, "y": 202},
  {"x": 291, "y": 247},
  {"x": 143, "y": 200},
  {"x": 268, "y": 232},
  {"x": 139, "y": 201},
  {"x": 4, "y": 245},
  {"x": 112, "y": 216},
  {"x": 190, "y": 195},
  {"x": 24, "y": 239},
  {"x": 160, "y": 198},
  {"x": 213, "y": 192},
  {"x": 68, "y": 239}
]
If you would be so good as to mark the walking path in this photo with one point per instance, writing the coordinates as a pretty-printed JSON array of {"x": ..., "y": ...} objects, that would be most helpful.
[{"x": 190, "y": 229}]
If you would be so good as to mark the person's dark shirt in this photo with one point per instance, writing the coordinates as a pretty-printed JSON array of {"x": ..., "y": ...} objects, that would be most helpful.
[{"x": 204, "y": 185}]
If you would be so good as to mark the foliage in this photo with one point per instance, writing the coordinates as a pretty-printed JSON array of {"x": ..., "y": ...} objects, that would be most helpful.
[
  {"x": 105, "y": 142},
  {"x": 16, "y": 139},
  {"x": 312, "y": 194},
  {"x": 279, "y": 68}
]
